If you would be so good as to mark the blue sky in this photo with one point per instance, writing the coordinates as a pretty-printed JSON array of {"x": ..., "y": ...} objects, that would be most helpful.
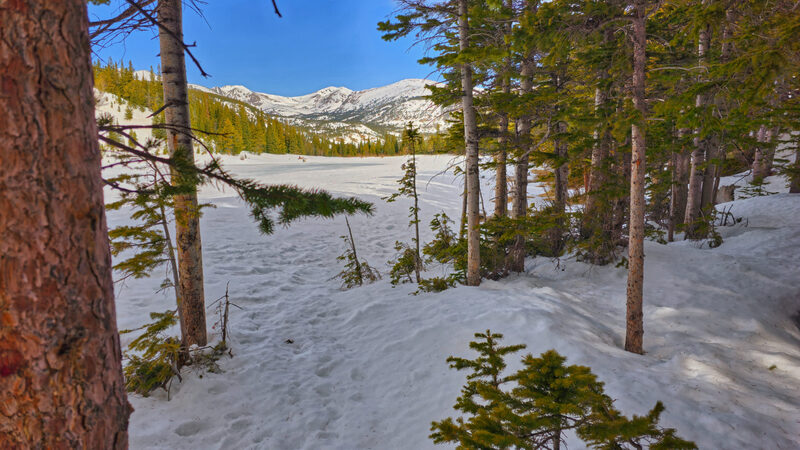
[{"x": 317, "y": 43}]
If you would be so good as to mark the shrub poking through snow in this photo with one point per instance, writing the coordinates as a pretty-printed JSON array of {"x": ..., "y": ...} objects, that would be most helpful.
[
  {"x": 404, "y": 265},
  {"x": 355, "y": 273},
  {"x": 534, "y": 407},
  {"x": 153, "y": 357}
]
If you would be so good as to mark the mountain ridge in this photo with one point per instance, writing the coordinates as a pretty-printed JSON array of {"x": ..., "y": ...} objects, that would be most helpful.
[{"x": 346, "y": 114}]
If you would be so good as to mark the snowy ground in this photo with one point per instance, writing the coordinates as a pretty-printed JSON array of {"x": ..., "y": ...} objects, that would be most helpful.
[{"x": 366, "y": 368}]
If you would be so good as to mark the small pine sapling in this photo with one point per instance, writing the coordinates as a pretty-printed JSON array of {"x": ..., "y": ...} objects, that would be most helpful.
[
  {"x": 445, "y": 249},
  {"x": 404, "y": 265},
  {"x": 408, "y": 188},
  {"x": 153, "y": 357},
  {"x": 355, "y": 273},
  {"x": 547, "y": 399}
]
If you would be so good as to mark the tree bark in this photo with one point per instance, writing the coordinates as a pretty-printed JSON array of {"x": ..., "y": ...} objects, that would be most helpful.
[
  {"x": 520, "y": 205},
  {"x": 760, "y": 158},
  {"x": 597, "y": 174},
  {"x": 707, "y": 144},
  {"x": 794, "y": 176},
  {"x": 187, "y": 214},
  {"x": 700, "y": 181},
  {"x": 61, "y": 383},
  {"x": 634, "y": 328},
  {"x": 679, "y": 190},
  {"x": 501, "y": 159},
  {"x": 471, "y": 142},
  {"x": 561, "y": 177}
]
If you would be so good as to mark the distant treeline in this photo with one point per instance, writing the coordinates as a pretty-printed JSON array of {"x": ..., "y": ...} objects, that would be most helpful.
[{"x": 238, "y": 126}]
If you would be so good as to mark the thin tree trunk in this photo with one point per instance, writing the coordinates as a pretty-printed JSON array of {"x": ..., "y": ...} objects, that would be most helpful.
[
  {"x": 597, "y": 214},
  {"x": 417, "y": 257},
  {"x": 760, "y": 165},
  {"x": 634, "y": 328},
  {"x": 173, "y": 263},
  {"x": 679, "y": 191},
  {"x": 187, "y": 213},
  {"x": 61, "y": 383},
  {"x": 471, "y": 141},
  {"x": 699, "y": 188},
  {"x": 501, "y": 181},
  {"x": 520, "y": 206},
  {"x": 794, "y": 177},
  {"x": 561, "y": 190},
  {"x": 501, "y": 159},
  {"x": 355, "y": 255},
  {"x": 708, "y": 144}
]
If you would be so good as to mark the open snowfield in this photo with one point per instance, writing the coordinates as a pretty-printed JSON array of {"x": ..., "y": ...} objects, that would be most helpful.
[{"x": 315, "y": 367}]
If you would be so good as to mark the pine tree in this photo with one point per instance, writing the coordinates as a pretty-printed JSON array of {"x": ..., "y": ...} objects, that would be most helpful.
[
  {"x": 547, "y": 399},
  {"x": 408, "y": 188}
]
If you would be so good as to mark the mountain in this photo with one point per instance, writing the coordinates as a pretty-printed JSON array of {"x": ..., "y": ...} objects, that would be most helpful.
[
  {"x": 338, "y": 112},
  {"x": 352, "y": 115}
]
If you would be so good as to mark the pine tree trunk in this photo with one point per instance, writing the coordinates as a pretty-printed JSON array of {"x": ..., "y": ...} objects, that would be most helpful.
[
  {"x": 501, "y": 182},
  {"x": 699, "y": 188},
  {"x": 760, "y": 166},
  {"x": 561, "y": 176},
  {"x": 794, "y": 177},
  {"x": 187, "y": 214},
  {"x": 501, "y": 160},
  {"x": 417, "y": 256},
  {"x": 679, "y": 190},
  {"x": 707, "y": 144},
  {"x": 520, "y": 206},
  {"x": 471, "y": 141},
  {"x": 61, "y": 383},
  {"x": 592, "y": 221},
  {"x": 634, "y": 328}
]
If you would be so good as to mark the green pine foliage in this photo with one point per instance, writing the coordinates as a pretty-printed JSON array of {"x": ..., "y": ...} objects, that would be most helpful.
[
  {"x": 403, "y": 267},
  {"x": 534, "y": 407},
  {"x": 153, "y": 357}
]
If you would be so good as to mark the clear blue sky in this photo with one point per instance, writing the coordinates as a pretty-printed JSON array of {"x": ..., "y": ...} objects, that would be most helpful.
[{"x": 317, "y": 43}]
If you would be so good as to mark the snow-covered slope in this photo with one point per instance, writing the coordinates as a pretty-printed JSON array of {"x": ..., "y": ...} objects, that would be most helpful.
[
  {"x": 383, "y": 108},
  {"x": 319, "y": 368}
]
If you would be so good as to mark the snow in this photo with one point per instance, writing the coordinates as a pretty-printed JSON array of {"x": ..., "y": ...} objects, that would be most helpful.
[
  {"x": 315, "y": 367},
  {"x": 388, "y": 106}
]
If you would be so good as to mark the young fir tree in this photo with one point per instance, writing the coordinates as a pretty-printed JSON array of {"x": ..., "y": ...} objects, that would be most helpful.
[
  {"x": 545, "y": 399},
  {"x": 355, "y": 272},
  {"x": 408, "y": 188},
  {"x": 447, "y": 24}
]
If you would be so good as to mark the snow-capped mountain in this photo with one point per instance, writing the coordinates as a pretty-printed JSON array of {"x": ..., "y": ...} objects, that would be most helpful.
[{"x": 341, "y": 111}]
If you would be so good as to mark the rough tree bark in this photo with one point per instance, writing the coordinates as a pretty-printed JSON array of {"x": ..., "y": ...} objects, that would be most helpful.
[
  {"x": 471, "y": 141},
  {"x": 634, "y": 326},
  {"x": 187, "y": 215},
  {"x": 61, "y": 383}
]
